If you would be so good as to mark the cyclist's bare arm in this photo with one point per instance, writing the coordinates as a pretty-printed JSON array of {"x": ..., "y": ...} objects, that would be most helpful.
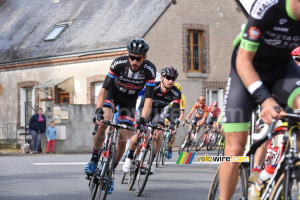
[
  {"x": 101, "y": 97},
  {"x": 147, "y": 108},
  {"x": 248, "y": 75},
  {"x": 181, "y": 115},
  {"x": 190, "y": 114},
  {"x": 245, "y": 68}
]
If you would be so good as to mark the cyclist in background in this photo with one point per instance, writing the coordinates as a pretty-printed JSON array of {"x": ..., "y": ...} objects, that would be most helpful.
[
  {"x": 213, "y": 114},
  {"x": 164, "y": 93},
  {"x": 201, "y": 114},
  {"x": 167, "y": 110}
]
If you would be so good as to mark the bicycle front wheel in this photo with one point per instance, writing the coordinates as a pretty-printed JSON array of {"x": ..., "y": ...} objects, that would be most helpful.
[
  {"x": 133, "y": 171},
  {"x": 144, "y": 168},
  {"x": 213, "y": 141},
  {"x": 160, "y": 156},
  {"x": 106, "y": 179},
  {"x": 93, "y": 186},
  {"x": 201, "y": 142},
  {"x": 278, "y": 192},
  {"x": 183, "y": 144},
  {"x": 241, "y": 188}
]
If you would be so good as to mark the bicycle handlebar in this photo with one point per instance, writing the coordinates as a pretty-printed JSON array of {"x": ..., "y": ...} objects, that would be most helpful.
[
  {"x": 123, "y": 126},
  {"x": 269, "y": 129},
  {"x": 155, "y": 126}
]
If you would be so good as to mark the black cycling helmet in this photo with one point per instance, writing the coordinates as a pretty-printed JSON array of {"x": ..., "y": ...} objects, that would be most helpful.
[
  {"x": 138, "y": 46},
  {"x": 169, "y": 71}
]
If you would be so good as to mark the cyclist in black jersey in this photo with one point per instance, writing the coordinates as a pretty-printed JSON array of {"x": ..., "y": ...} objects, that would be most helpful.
[
  {"x": 126, "y": 78},
  {"x": 261, "y": 66},
  {"x": 164, "y": 93}
]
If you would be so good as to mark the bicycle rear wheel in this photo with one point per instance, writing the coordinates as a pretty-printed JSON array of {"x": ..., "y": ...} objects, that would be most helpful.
[
  {"x": 241, "y": 187},
  {"x": 144, "y": 168},
  {"x": 201, "y": 141}
]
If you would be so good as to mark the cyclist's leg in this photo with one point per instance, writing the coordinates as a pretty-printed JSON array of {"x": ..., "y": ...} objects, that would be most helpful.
[
  {"x": 99, "y": 138},
  {"x": 235, "y": 145},
  {"x": 158, "y": 119},
  {"x": 126, "y": 116},
  {"x": 100, "y": 135},
  {"x": 237, "y": 111},
  {"x": 260, "y": 154},
  {"x": 198, "y": 122}
]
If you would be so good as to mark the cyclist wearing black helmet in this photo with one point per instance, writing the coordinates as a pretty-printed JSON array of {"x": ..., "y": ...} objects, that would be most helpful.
[
  {"x": 126, "y": 78},
  {"x": 164, "y": 93}
]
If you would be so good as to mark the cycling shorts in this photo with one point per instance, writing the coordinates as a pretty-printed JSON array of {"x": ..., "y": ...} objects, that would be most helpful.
[
  {"x": 158, "y": 118},
  {"x": 127, "y": 105},
  {"x": 196, "y": 119}
]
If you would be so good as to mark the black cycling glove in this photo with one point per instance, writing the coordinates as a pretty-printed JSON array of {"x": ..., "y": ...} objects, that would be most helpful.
[
  {"x": 98, "y": 115},
  {"x": 141, "y": 124}
]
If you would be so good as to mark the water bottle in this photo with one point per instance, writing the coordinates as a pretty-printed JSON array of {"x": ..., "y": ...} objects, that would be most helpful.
[{"x": 261, "y": 183}]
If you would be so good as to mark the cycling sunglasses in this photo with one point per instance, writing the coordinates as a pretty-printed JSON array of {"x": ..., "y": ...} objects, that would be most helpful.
[
  {"x": 138, "y": 59},
  {"x": 297, "y": 58},
  {"x": 170, "y": 78}
]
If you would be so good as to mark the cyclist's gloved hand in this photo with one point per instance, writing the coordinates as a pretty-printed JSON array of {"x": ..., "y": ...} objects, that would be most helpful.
[
  {"x": 172, "y": 127},
  {"x": 140, "y": 124},
  {"x": 98, "y": 115}
]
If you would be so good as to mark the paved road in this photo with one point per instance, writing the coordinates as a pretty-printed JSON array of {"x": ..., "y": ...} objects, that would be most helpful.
[{"x": 61, "y": 177}]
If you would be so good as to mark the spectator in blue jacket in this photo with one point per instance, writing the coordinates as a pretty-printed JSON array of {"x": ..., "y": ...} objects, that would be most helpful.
[
  {"x": 51, "y": 136},
  {"x": 37, "y": 125}
]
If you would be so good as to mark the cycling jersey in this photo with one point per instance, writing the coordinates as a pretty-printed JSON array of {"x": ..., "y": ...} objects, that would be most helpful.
[
  {"x": 212, "y": 115},
  {"x": 161, "y": 100},
  {"x": 122, "y": 79},
  {"x": 215, "y": 113},
  {"x": 124, "y": 85},
  {"x": 272, "y": 32},
  {"x": 200, "y": 112},
  {"x": 182, "y": 103}
]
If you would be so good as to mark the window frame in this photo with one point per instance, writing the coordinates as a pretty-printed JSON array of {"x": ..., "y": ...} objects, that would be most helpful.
[
  {"x": 201, "y": 51},
  {"x": 63, "y": 27}
]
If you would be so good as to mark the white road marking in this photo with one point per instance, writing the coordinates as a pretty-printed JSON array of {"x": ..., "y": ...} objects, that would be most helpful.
[{"x": 84, "y": 163}]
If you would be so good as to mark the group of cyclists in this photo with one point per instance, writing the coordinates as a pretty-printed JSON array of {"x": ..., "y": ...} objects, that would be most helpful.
[
  {"x": 262, "y": 68},
  {"x": 161, "y": 103}
]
